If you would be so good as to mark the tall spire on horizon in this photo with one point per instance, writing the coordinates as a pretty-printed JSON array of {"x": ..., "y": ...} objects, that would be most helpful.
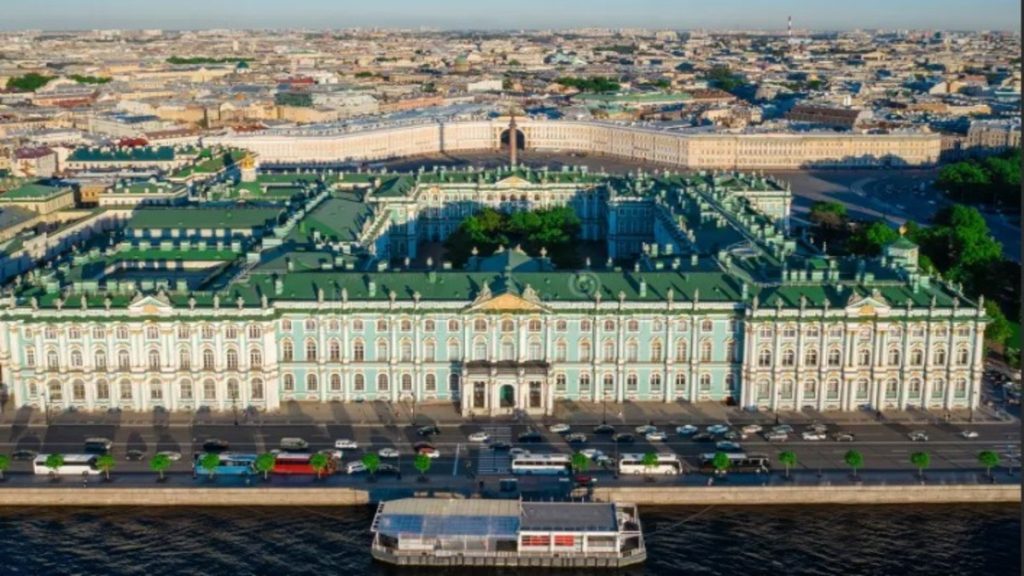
[{"x": 513, "y": 140}]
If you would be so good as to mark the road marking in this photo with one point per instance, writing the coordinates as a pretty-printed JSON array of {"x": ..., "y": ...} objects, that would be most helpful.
[{"x": 455, "y": 466}]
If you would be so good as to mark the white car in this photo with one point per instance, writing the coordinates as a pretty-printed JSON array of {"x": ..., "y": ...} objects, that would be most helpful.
[
  {"x": 595, "y": 454},
  {"x": 560, "y": 428},
  {"x": 479, "y": 437},
  {"x": 752, "y": 429},
  {"x": 717, "y": 429},
  {"x": 513, "y": 452},
  {"x": 430, "y": 452},
  {"x": 346, "y": 444},
  {"x": 969, "y": 434},
  {"x": 811, "y": 435},
  {"x": 686, "y": 429},
  {"x": 388, "y": 453},
  {"x": 355, "y": 467},
  {"x": 646, "y": 429},
  {"x": 171, "y": 455},
  {"x": 656, "y": 436},
  {"x": 333, "y": 453}
]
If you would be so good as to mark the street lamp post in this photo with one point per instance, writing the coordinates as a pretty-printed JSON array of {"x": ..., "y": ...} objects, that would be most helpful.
[
  {"x": 604, "y": 411},
  {"x": 46, "y": 409},
  {"x": 234, "y": 405},
  {"x": 777, "y": 397}
]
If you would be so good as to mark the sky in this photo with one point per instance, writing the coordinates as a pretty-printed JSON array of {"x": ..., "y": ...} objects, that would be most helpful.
[{"x": 511, "y": 14}]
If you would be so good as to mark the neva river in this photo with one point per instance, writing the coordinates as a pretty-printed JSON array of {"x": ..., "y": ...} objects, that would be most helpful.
[{"x": 791, "y": 541}]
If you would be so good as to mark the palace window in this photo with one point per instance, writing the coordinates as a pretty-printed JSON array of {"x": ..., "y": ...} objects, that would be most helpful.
[
  {"x": 310, "y": 325},
  {"x": 560, "y": 383},
  {"x": 358, "y": 351},
  {"x": 154, "y": 359},
  {"x": 185, "y": 389},
  {"x": 453, "y": 350},
  {"x": 705, "y": 351},
  {"x": 963, "y": 356},
  {"x": 359, "y": 383},
  {"x": 288, "y": 383},
  {"x": 209, "y": 390},
  {"x": 681, "y": 350},
  {"x": 631, "y": 383},
  {"x": 207, "y": 332},
  {"x": 312, "y": 383},
  {"x": 430, "y": 383},
  {"x": 609, "y": 384},
  {"x": 894, "y": 357},
  {"x": 429, "y": 326},
  {"x": 609, "y": 325},
  {"x": 453, "y": 325},
  {"x": 124, "y": 360},
  {"x": 892, "y": 388},
  {"x": 382, "y": 326},
  {"x": 405, "y": 325},
  {"x": 480, "y": 325},
  {"x": 915, "y": 388},
  {"x": 655, "y": 383},
  {"x": 30, "y": 357},
  {"x": 231, "y": 332},
  {"x": 833, "y": 389},
  {"x": 764, "y": 358},
  {"x": 864, "y": 357},
  {"x": 184, "y": 331},
  {"x": 656, "y": 351},
  {"x": 939, "y": 357},
  {"x": 534, "y": 325},
  {"x": 255, "y": 331},
  {"x": 916, "y": 357},
  {"x": 834, "y": 357},
  {"x": 310, "y": 350},
  {"x": 334, "y": 350},
  {"x": 121, "y": 332},
  {"x": 256, "y": 389},
  {"x": 208, "y": 359},
  {"x": 585, "y": 351},
  {"x": 255, "y": 357},
  {"x": 287, "y": 351},
  {"x": 102, "y": 390},
  {"x": 429, "y": 350},
  {"x": 405, "y": 351},
  {"x": 584, "y": 383},
  {"x": 231, "y": 359},
  {"x": 382, "y": 350},
  {"x": 126, "y": 390},
  {"x": 382, "y": 383},
  {"x": 631, "y": 351},
  {"x": 810, "y": 389},
  {"x": 78, "y": 391}
]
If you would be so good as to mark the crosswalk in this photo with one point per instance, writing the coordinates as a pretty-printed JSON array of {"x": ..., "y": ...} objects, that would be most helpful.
[{"x": 490, "y": 461}]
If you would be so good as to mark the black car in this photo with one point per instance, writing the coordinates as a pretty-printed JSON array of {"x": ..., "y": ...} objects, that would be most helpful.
[
  {"x": 499, "y": 445},
  {"x": 623, "y": 438},
  {"x": 216, "y": 446},
  {"x": 387, "y": 469},
  {"x": 530, "y": 436},
  {"x": 134, "y": 455},
  {"x": 23, "y": 455},
  {"x": 702, "y": 437},
  {"x": 604, "y": 429},
  {"x": 427, "y": 431}
]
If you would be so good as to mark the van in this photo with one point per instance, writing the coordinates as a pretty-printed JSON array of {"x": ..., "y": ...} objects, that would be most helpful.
[{"x": 293, "y": 444}]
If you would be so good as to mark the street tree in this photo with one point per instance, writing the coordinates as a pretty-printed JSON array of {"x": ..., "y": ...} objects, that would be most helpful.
[
  {"x": 580, "y": 462},
  {"x": 788, "y": 459},
  {"x": 921, "y": 460},
  {"x": 989, "y": 459},
  {"x": 54, "y": 462},
  {"x": 159, "y": 463},
  {"x": 106, "y": 463},
  {"x": 264, "y": 464},
  {"x": 855, "y": 460},
  {"x": 5, "y": 463},
  {"x": 319, "y": 463},
  {"x": 422, "y": 464},
  {"x": 721, "y": 462},
  {"x": 650, "y": 462},
  {"x": 210, "y": 462},
  {"x": 372, "y": 463}
]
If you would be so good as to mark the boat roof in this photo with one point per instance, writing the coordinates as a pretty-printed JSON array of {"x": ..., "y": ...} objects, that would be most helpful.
[
  {"x": 430, "y": 517},
  {"x": 568, "y": 516}
]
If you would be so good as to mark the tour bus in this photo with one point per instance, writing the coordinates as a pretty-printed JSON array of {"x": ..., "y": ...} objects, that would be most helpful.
[
  {"x": 634, "y": 464},
  {"x": 290, "y": 463},
  {"x": 541, "y": 464},
  {"x": 231, "y": 464},
  {"x": 74, "y": 465},
  {"x": 738, "y": 462}
]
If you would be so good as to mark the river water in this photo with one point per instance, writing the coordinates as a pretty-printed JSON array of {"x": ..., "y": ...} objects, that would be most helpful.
[{"x": 801, "y": 540}]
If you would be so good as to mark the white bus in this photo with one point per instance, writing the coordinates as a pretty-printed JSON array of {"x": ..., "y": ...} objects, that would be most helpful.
[
  {"x": 74, "y": 465},
  {"x": 668, "y": 464},
  {"x": 541, "y": 464}
]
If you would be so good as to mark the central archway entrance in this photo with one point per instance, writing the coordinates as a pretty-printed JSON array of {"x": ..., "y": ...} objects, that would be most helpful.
[
  {"x": 507, "y": 396},
  {"x": 507, "y": 139}
]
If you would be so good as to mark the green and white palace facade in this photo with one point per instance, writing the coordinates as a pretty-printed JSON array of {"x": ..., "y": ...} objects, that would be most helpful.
[{"x": 269, "y": 288}]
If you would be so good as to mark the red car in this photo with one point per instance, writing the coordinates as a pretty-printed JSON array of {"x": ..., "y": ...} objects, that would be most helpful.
[{"x": 585, "y": 480}]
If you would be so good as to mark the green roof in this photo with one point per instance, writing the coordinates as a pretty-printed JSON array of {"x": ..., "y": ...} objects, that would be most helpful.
[
  {"x": 192, "y": 218},
  {"x": 138, "y": 154},
  {"x": 33, "y": 192},
  {"x": 339, "y": 217}
]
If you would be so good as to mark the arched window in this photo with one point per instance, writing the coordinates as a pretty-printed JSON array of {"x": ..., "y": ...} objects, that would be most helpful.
[
  {"x": 939, "y": 357},
  {"x": 609, "y": 350},
  {"x": 358, "y": 351},
  {"x": 787, "y": 389},
  {"x": 312, "y": 383},
  {"x": 126, "y": 390},
  {"x": 788, "y": 357},
  {"x": 382, "y": 350},
  {"x": 961, "y": 388},
  {"x": 231, "y": 358},
  {"x": 705, "y": 382},
  {"x": 655, "y": 382},
  {"x": 832, "y": 389},
  {"x": 705, "y": 351},
  {"x": 479, "y": 349},
  {"x": 310, "y": 350},
  {"x": 335, "y": 382},
  {"x": 428, "y": 326},
  {"x": 209, "y": 390},
  {"x": 256, "y": 389},
  {"x": 74, "y": 333},
  {"x": 121, "y": 332},
  {"x": 764, "y": 358},
  {"x": 508, "y": 326},
  {"x": 609, "y": 325},
  {"x": 406, "y": 383},
  {"x": 707, "y": 326},
  {"x": 862, "y": 389},
  {"x": 334, "y": 350},
  {"x": 680, "y": 382},
  {"x": 811, "y": 357},
  {"x": 430, "y": 350},
  {"x": 255, "y": 358},
  {"x": 730, "y": 350},
  {"x": 185, "y": 389},
  {"x": 963, "y": 356},
  {"x": 100, "y": 360},
  {"x": 561, "y": 326},
  {"x": 631, "y": 351},
  {"x": 405, "y": 325},
  {"x": 560, "y": 351},
  {"x": 78, "y": 391},
  {"x": 938, "y": 388},
  {"x": 255, "y": 331},
  {"x": 287, "y": 351},
  {"x": 533, "y": 325},
  {"x": 810, "y": 389},
  {"x": 480, "y": 325},
  {"x": 656, "y": 351},
  {"x": 55, "y": 391},
  {"x": 310, "y": 325},
  {"x": 534, "y": 351},
  {"x": 124, "y": 360},
  {"x": 30, "y": 357},
  {"x": 681, "y": 350},
  {"x": 631, "y": 383},
  {"x": 288, "y": 383},
  {"x": 333, "y": 325},
  {"x": 405, "y": 351},
  {"x": 916, "y": 357},
  {"x": 52, "y": 360},
  {"x": 234, "y": 391},
  {"x": 382, "y": 383},
  {"x": 864, "y": 357},
  {"x": 834, "y": 357},
  {"x": 892, "y": 388},
  {"x": 894, "y": 357},
  {"x": 359, "y": 383},
  {"x": 152, "y": 332},
  {"x": 585, "y": 326},
  {"x": 609, "y": 384},
  {"x": 430, "y": 383},
  {"x": 207, "y": 332},
  {"x": 208, "y": 359},
  {"x": 231, "y": 332},
  {"x": 584, "y": 382},
  {"x": 357, "y": 325},
  {"x": 585, "y": 351},
  {"x": 76, "y": 358},
  {"x": 154, "y": 359},
  {"x": 453, "y": 351},
  {"x": 102, "y": 390},
  {"x": 184, "y": 359},
  {"x": 453, "y": 325},
  {"x": 632, "y": 325}
]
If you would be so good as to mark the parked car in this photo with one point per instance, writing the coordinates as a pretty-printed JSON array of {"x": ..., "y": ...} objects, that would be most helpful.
[
  {"x": 776, "y": 436},
  {"x": 333, "y": 453},
  {"x": 623, "y": 438},
  {"x": 576, "y": 438},
  {"x": 388, "y": 453},
  {"x": 782, "y": 428},
  {"x": 752, "y": 429},
  {"x": 816, "y": 427},
  {"x": 969, "y": 434},
  {"x": 294, "y": 444},
  {"x": 134, "y": 455},
  {"x": 702, "y": 437},
  {"x": 918, "y": 436},
  {"x": 717, "y": 429},
  {"x": 811, "y": 435},
  {"x": 346, "y": 444},
  {"x": 843, "y": 437},
  {"x": 387, "y": 469},
  {"x": 584, "y": 480},
  {"x": 479, "y": 437},
  {"x": 421, "y": 445},
  {"x": 430, "y": 452},
  {"x": 172, "y": 455},
  {"x": 23, "y": 455},
  {"x": 560, "y": 428},
  {"x": 734, "y": 436},
  {"x": 604, "y": 429},
  {"x": 500, "y": 446},
  {"x": 728, "y": 446},
  {"x": 355, "y": 467},
  {"x": 530, "y": 436},
  {"x": 656, "y": 436},
  {"x": 427, "y": 431},
  {"x": 686, "y": 430},
  {"x": 646, "y": 428},
  {"x": 514, "y": 452},
  {"x": 216, "y": 446}
]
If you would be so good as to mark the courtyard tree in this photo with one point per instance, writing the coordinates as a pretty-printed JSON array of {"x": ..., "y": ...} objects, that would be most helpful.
[
  {"x": 264, "y": 464},
  {"x": 920, "y": 460},
  {"x": 159, "y": 463},
  {"x": 788, "y": 459},
  {"x": 855, "y": 460},
  {"x": 210, "y": 462},
  {"x": 828, "y": 214},
  {"x": 106, "y": 463},
  {"x": 989, "y": 459}
]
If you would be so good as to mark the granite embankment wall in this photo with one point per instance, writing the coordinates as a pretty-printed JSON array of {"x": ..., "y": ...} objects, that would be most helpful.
[
  {"x": 653, "y": 495},
  {"x": 790, "y": 495}
]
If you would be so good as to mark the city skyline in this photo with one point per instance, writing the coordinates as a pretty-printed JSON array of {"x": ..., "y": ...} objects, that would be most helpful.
[{"x": 527, "y": 14}]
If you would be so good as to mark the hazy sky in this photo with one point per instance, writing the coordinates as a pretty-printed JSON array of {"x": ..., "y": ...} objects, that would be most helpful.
[{"x": 510, "y": 14}]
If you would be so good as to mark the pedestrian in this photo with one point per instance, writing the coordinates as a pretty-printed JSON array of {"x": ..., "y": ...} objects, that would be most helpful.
[{"x": 711, "y": 480}]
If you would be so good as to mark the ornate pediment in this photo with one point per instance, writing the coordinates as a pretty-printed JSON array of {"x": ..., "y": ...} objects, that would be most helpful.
[
  {"x": 506, "y": 303},
  {"x": 149, "y": 305},
  {"x": 512, "y": 182},
  {"x": 872, "y": 305}
]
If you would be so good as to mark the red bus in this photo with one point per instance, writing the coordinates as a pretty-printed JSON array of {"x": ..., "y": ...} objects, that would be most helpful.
[{"x": 299, "y": 464}]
